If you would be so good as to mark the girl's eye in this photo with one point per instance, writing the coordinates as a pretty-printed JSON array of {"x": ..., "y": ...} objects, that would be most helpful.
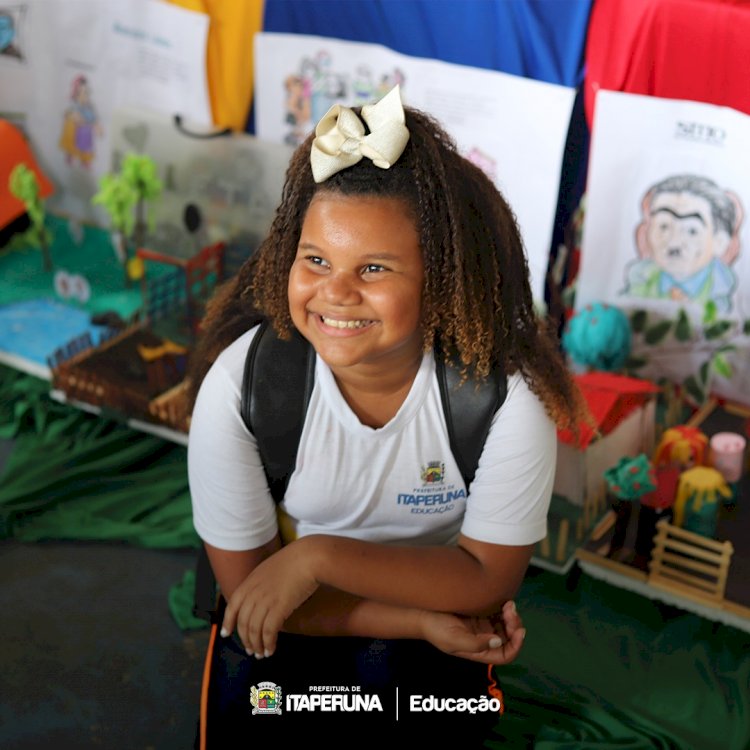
[
  {"x": 373, "y": 268},
  {"x": 315, "y": 260}
]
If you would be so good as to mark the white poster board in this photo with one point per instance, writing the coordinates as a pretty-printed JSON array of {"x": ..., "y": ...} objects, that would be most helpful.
[
  {"x": 231, "y": 183},
  {"x": 71, "y": 63},
  {"x": 514, "y": 128},
  {"x": 666, "y": 237}
]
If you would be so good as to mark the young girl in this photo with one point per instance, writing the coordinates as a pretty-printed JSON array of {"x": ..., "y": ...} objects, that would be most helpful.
[{"x": 387, "y": 245}]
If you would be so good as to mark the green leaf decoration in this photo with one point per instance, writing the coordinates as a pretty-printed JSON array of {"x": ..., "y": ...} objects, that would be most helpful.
[
  {"x": 717, "y": 329},
  {"x": 705, "y": 368},
  {"x": 709, "y": 312},
  {"x": 638, "y": 320},
  {"x": 746, "y": 327},
  {"x": 727, "y": 348},
  {"x": 682, "y": 330},
  {"x": 658, "y": 332},
  {"x": 633, "y": 363},
  {"x": 694, "y": 390},
  {"x": 722, "y": 366}
]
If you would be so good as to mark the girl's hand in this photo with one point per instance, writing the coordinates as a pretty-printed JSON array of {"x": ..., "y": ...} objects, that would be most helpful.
[
  {"x": 495, "y": 640},
  {"x": 263, "y": 601}
]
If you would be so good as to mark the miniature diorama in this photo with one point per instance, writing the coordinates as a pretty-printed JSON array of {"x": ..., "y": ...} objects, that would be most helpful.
[
  {"x": 112, "y": 317},
  {"x": 683, "y": 539},
  {"x": 667, "y": 520},
  {"x": 623, "y": 411}
]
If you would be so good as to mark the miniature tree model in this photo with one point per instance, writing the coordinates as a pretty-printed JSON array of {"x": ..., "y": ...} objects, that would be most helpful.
[
  {"x": 140, "y": 173},
  {"x": 121, "y": 194},
  {"x": 24, "y": 185},
  {"x": 598, "y": 337},
  {"x": 628, "y": 480}
]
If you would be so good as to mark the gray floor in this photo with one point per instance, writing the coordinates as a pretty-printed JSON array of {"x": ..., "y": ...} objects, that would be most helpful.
[{"x": 90, "y": 656}]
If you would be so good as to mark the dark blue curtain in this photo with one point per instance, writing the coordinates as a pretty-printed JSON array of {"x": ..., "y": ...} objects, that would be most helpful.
[{"x": 540, "y": 39}]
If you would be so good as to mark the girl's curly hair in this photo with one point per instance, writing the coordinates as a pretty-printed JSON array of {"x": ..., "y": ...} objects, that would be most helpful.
[{"x": 476, "y": 301}]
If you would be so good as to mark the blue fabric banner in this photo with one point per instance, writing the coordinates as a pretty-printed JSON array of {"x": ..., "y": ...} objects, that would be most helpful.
[{"x": 539, "y": 39}]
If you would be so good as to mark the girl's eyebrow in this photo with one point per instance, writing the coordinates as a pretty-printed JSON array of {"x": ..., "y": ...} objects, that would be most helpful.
[
  {"x": 380, "y": 256},
  {"x": 368, "y": 257}
]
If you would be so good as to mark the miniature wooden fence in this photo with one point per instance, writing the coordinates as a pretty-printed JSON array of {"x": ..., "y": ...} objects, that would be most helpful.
[
  {"x": 72, "y": 348},
  {"x": 170, "y": 408},
  {"x": 689, "y": 564}
]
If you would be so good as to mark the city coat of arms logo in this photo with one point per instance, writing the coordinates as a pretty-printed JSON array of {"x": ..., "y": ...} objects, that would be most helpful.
[
  {"x": 265, "y": 698},
  {"x": 433, "y": 473}
]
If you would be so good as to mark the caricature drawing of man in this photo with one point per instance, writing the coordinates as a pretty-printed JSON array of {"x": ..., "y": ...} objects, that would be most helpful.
[{"x": 687, "y": 240}]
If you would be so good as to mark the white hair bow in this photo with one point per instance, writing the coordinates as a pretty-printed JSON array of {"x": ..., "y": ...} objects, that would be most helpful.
[{"x": 341, "y": 142}]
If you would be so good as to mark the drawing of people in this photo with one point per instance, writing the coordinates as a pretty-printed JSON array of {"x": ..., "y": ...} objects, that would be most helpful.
[
  {"x": 687, "y": 240},
  {"x": 327, "y": 88},
  {"x": 363, "y": 89},
  {"x": 80, "y": 124},
  {"x": 297, "y": 107},
  {"x": 387, "y": 82}
]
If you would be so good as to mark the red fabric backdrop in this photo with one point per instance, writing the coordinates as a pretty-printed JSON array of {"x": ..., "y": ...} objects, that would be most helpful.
[{"x": 675, "y": 49}]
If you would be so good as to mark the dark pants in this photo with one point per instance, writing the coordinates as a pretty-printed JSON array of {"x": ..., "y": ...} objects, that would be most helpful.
[{"x": 368, "y": 674}]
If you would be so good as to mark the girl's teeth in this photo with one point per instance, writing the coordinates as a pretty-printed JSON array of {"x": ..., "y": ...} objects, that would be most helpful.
[{"x": 344, "y": 323}]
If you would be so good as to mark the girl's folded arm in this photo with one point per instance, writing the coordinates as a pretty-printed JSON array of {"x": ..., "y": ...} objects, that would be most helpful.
[
  {"x": 331, "y": 612},
  {"x": 471, "y": 578},
  {"x": 327, "y": 611}
]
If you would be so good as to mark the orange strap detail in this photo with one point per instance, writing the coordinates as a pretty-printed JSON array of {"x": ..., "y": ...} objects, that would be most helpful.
[
  {"x": 204, "y": 686},
  {"x": 494, "y": 690}
]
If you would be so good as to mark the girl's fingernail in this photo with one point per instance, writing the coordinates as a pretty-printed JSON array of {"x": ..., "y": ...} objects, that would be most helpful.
[
  {"x": 267, "y": 652},
  {"x": 523, "y": 633},
  {"x": 224, "y": 633},
  {"x": 512, "y": 608},
  {"x": 258, "y": 656},
  {"x": 495, "y": 642},
  {"x": 248, "y": 652}
]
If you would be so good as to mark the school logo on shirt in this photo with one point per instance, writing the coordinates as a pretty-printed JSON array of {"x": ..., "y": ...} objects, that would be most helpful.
[
  {"x": 266, "y": 698},
  {"x": 433, "y": 473},
  {"x": 435, "y": 496}
]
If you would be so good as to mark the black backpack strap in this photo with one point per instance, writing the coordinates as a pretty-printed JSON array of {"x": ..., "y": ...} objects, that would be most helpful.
[
  {"x": 469, "y": 408},
  {"x": 276, "y": 389}
]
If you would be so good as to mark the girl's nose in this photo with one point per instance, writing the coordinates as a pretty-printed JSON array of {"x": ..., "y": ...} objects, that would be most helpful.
[{"x": 340, "y": 289}]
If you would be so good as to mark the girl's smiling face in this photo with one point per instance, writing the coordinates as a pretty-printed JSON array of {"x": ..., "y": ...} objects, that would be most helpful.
[{"x": 355, "y": 286}]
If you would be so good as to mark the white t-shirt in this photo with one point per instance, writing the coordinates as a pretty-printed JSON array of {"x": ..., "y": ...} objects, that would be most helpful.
[{"x": 397, "y": 483}]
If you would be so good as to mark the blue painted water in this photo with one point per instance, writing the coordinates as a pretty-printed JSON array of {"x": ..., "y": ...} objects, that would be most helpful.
[{"x": 31, "y": 330}]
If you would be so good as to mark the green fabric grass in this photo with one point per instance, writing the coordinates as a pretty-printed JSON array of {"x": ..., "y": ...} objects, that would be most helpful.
[
  {"x": 607, "y": 668},
  {"x": 73, "y": 475}
]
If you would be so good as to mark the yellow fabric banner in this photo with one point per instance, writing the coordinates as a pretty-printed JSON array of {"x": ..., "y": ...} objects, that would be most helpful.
[{"x": 229, "y": 56}]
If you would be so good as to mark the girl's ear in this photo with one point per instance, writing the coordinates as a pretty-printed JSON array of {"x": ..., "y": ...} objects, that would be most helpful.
[{"x": 732, "y": 249}]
